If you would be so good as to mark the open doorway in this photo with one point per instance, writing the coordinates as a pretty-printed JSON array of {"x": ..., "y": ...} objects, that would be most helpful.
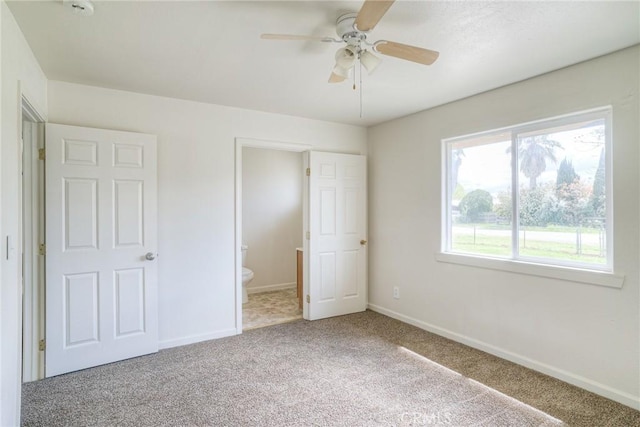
[
  {"x": 272, "y": 191},
  {"x": 32, "y": 235},
  {"x": 269, "y": 232}
]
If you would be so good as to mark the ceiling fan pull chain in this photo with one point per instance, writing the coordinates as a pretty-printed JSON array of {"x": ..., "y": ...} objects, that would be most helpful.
[{"x": 360, "y": 62}]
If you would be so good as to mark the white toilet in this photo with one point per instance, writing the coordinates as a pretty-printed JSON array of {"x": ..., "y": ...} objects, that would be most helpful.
[{"x": 247, "y": 275}]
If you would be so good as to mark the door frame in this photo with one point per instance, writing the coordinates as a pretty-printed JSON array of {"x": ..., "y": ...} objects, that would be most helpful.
[
  {"x": 31, "y": 217},
  {"x": 271, "y": 145}
]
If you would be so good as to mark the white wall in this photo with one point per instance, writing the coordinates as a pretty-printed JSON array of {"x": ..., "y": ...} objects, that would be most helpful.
[
  {"x": 196, "y": 181},
  {"x": 271, "y": 214},
  {"x": 585, "y": 334},
  {"x": 20, "y": 72}
]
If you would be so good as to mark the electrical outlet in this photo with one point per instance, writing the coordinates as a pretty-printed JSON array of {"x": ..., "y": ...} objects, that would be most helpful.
[{"x": 396, "y": 292}]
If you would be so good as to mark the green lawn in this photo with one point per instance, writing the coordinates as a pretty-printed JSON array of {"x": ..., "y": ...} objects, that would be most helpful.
[
  {"x": 501, "y": 246},
  {"x": 555, "y": 228}
]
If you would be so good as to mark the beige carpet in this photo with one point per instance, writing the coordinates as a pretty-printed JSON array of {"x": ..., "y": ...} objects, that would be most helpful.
[
  {"x": 270, "y": 308},
  {"x": 358, "y": 370}
]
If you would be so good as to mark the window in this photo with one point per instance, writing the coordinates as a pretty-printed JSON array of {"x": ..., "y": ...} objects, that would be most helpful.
[{"x": 553, "y": 207}]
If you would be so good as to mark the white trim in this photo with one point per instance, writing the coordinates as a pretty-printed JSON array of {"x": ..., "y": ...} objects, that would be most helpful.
[
  {"x": 272, "y": 145},
  {"x": 30, "y": 237},
  {"x": 240, "y": 144},
  {"x": 609, "y": 199},
  {"x": 306, "y": 248},
  {"x": 568, "y": 377},
  {"x": 515, "y": 197},
  {"x": 192, "y": 339},
  {"x": 591, "y": 277},
  {"x": 445, "y": 198},
  {"x": 32, "y": 228},
  {"x": 270, "y": 288},
  {"x": 33, "y": 108}
]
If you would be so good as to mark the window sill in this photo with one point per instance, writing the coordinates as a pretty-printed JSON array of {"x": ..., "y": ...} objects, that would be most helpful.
[{"x": 591, "y": 277}]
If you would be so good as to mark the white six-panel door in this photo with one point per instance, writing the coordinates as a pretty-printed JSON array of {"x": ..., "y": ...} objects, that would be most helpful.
[
  {"x": 337, "y": 262},
  {"x": 101, "y": 222}
]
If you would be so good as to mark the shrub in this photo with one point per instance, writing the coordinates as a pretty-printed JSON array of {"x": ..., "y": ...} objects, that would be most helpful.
[{"x": 474, "y": 204}]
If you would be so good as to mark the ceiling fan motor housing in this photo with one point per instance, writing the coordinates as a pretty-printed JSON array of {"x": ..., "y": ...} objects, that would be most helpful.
[{"x": 347, "y": 32}]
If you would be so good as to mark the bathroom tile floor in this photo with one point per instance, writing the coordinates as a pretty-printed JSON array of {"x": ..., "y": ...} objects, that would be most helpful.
[{"x": 270, "y": 308}]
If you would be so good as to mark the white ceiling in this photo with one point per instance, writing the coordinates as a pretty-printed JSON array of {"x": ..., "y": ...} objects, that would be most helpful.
[{"x": 211, "y": 51}]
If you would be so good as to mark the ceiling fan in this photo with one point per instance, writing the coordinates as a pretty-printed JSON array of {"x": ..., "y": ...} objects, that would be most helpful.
[{"x": 353, "y": 28}]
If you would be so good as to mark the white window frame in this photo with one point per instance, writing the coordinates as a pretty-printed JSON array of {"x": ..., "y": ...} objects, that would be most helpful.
[{"x": 546, "y": 267}]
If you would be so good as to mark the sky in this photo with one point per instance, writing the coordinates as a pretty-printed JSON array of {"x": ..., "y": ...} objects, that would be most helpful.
[{"x": 488, "y": 166}]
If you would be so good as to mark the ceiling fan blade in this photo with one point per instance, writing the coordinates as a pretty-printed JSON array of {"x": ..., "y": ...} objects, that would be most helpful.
[
  {"x": 404, "y": 51},
  {"x": 371, "y": 12},
  {"x": 294, "y": 37},
  {"x": 334, "y": 78}
]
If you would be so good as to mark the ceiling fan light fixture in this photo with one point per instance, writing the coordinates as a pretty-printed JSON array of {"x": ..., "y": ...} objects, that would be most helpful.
[
  {"x": 369, "y": 61},
  {"x": 345, "y": 58}
]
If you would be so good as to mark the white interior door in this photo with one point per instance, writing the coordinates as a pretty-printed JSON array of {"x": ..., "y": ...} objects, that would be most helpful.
[
  {"x": 101, "y": 224},
  {"x": 337, "y": 261}
]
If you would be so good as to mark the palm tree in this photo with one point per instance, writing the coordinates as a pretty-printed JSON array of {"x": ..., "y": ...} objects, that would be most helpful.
[
  {"x": 456, "y": 161},
  {"x": 533, "y": 153}
]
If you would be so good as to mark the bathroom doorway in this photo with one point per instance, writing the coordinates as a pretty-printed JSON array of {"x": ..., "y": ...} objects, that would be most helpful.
[
  {"x": 32, "y": 236},
  {"x": 270, "y": 181}
]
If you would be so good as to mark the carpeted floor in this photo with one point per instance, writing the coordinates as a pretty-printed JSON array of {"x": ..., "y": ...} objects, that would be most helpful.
[
  {"x": 270, "y": 308},
  {"x": 358, "y": 370}
]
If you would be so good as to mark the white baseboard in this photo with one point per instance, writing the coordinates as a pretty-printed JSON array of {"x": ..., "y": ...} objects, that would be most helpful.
[
  {"x": 192, "y": 339},
  {"x": 577, "y": 380},
  {"x": 268, "y": 288}
]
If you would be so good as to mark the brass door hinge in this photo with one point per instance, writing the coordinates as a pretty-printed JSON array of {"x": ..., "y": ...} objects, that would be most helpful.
[
  {"x": 42, "y": 250},
  {"x": 308, "y": 171},
  {"x": 41, "y": 154},
  {"x": 308, "y": 299},
  {"x": 42, "y": 345}
]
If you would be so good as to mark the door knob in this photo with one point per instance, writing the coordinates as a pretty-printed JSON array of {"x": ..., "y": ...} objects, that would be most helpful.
[
  {"x": 363, "y": 242},
  {"x": 150, "y": 256}
]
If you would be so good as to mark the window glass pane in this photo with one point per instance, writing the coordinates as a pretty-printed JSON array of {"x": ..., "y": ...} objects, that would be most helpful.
[
  {"x": 562, "y": 193},
  {"x": 480, "y": 195}
]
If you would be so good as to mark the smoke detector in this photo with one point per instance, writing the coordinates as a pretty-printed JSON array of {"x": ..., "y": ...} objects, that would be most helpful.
[{"x": 79, "y": 7}]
